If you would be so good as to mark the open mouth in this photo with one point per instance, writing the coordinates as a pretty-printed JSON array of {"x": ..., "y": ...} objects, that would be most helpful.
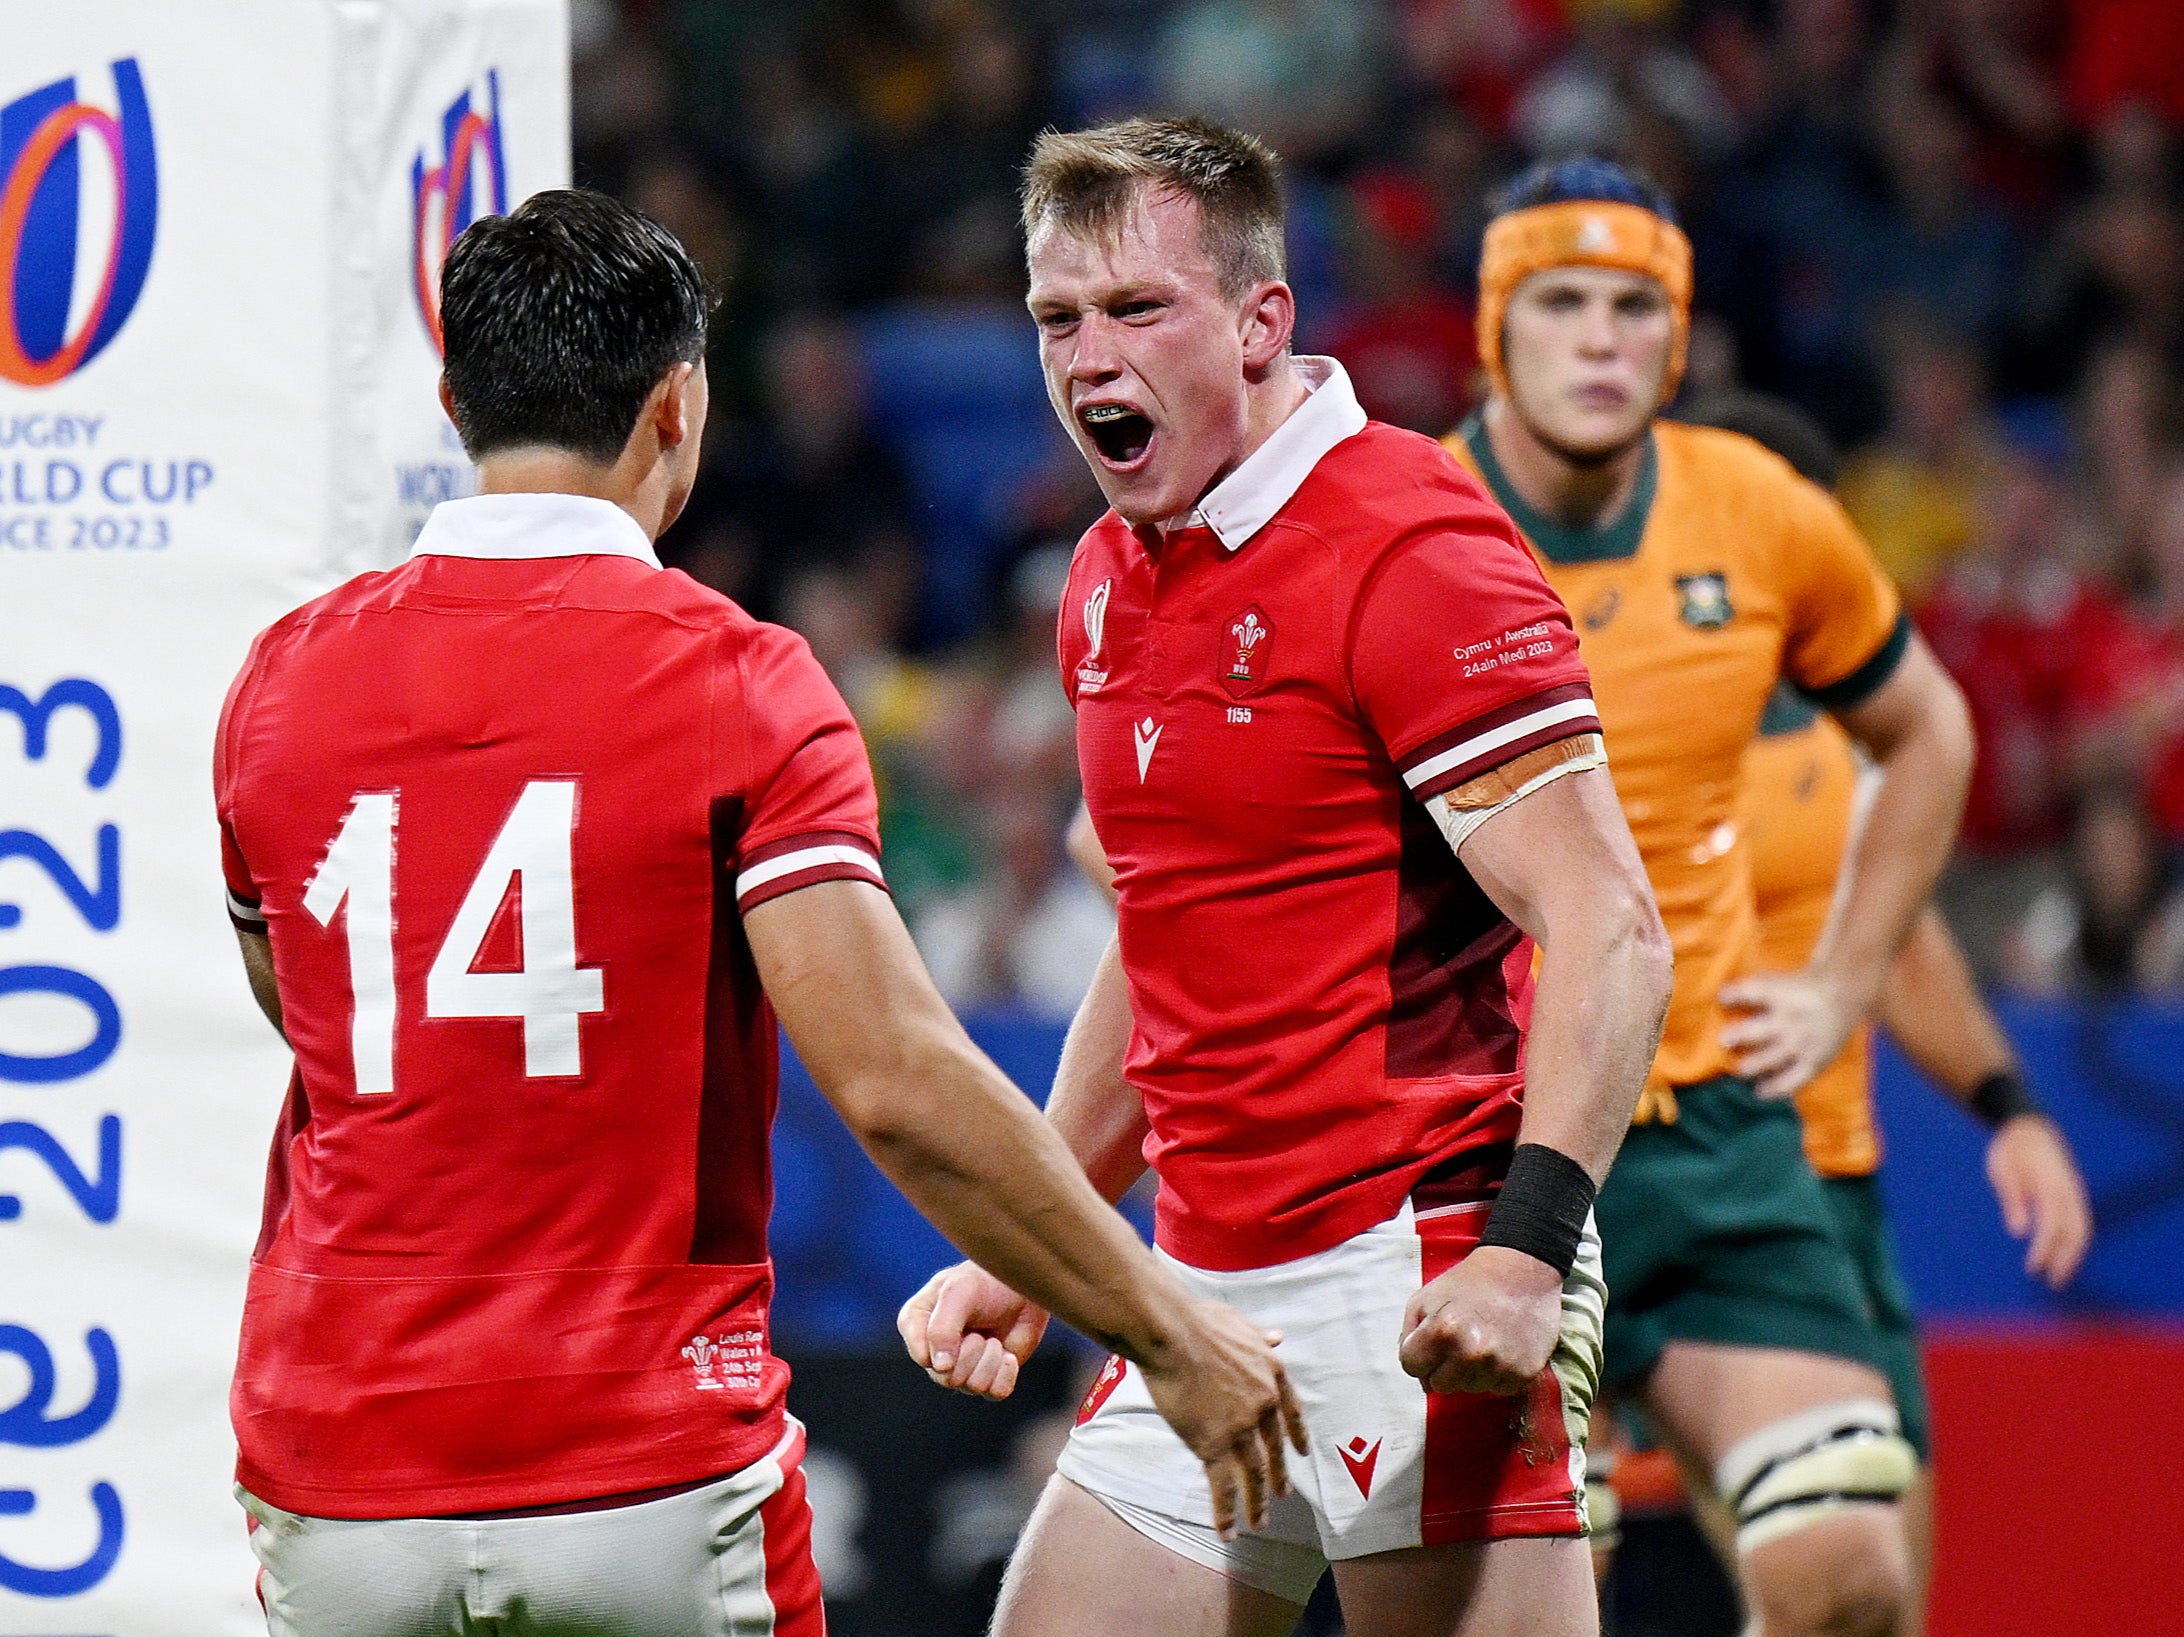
[{"x": 1119, "y": 432}]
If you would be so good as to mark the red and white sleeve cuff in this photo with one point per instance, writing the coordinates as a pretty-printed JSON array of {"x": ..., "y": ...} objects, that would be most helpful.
[
  {"x": 1486, "y": 742},
  {"x": 804, "y": 861},
  {"x": 246, "y": 913}
]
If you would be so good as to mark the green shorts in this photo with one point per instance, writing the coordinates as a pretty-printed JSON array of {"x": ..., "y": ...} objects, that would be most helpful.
[
  {"x": 1715, "y": 1228},
  {"x": 1863, "y": 1224}
]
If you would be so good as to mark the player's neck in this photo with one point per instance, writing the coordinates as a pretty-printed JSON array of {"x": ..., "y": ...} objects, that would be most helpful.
[
  {"x": 537, "y": 470},
  {"x": 1577, "y": 494},
  {"x": 1267, "y": 403}
]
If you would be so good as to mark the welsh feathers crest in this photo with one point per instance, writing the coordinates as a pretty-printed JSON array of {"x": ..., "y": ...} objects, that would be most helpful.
[{"x": 1245, "y": 646}]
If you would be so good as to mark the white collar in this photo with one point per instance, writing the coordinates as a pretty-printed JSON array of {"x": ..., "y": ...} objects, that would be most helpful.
[
  {"x": 532, "y": 525},
  {"x": 1245, "y": 501}
]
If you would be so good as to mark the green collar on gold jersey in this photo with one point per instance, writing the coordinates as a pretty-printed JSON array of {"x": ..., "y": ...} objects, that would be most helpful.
[
  {"x": 1788, "y": 711},
  {"x": 1557, "y": 542}
]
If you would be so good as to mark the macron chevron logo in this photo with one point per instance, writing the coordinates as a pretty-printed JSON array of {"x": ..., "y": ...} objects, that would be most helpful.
[
  {"x": 1361, "y": 1457},
  {"x": 1148, "y": 739}
]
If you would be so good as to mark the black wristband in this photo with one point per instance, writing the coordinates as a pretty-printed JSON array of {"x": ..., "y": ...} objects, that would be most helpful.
[
  {"x": 2001, "y": 1097},
  {"x": 1541, "y": 1211}
]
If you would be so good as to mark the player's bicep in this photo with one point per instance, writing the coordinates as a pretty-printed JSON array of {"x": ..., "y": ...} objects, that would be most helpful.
[
  {"x": 1560, "y": 854},
  {"x": 1461, "y": 810},
  {"x": 849, "y": 988},
  {"x": 258, "y": 968},
  {"x": 1916, "y": 693}
]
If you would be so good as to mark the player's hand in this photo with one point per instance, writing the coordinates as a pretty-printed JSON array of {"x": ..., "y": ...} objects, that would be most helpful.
[
  {"x": 1487, "y": 1325},
  {"x": 2043, "y": 1196},
  {"x": 970, "y": 1332},
  {"x": 1794, "y": 1025},
  {"x": 1224, "y": 1392}
]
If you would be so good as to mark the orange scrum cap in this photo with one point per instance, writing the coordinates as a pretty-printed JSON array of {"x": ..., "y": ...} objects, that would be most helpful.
[{"x": 1587, "y": 233}]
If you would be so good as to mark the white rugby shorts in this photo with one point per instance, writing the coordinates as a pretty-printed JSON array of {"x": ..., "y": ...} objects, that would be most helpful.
[
  {"x": 731, "y": 1558},
  {"x": 1391, "y": 1466}
]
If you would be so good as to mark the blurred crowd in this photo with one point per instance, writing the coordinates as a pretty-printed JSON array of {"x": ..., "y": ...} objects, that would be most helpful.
[{"x": 1952, "y": 231}]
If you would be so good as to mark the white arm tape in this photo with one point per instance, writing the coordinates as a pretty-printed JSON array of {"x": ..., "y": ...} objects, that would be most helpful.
[{"x": 1457, "y": 823}]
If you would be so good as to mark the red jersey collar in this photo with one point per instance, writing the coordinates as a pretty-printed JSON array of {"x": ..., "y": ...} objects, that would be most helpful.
[
  {"x": 532, "y": 525},
  {"x": 1245, "y": 501}
]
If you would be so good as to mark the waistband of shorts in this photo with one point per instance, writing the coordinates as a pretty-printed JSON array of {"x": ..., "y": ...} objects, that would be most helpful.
[
  {"x": 597, "y": 1503},
  {"x": 1473, "y": 1177},
  {"x": 614, "y": 1503}
]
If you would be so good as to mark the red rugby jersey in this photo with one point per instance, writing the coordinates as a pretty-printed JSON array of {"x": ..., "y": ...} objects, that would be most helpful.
[
  {"x": 1327, "y": 1006},
  {"x": 498, "y": 810}
]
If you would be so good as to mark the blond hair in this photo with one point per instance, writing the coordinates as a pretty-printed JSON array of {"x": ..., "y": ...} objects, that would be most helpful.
[{"x": 1087, "y": 182}]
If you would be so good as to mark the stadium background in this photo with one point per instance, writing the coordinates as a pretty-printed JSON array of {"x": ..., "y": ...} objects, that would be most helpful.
[{"x": 1949, "y": 228}]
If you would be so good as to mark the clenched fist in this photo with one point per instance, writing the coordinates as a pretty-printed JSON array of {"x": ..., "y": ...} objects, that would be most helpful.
[
  {"x": 1488, "y": 1325},
  {"x": 1217, "y": 1381},
  {"x": 970, "y": 1332}
]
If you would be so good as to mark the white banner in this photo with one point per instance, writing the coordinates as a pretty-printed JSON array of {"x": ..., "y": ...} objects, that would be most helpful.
[{"x": 220, "y": 227}]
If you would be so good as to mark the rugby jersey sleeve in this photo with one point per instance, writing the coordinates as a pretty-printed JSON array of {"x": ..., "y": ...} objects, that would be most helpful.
[
  {"x": 1464, "y": 663},
  {"x": 1846, "y": 629},
  {"x": 809, "y": 811},
  {"x": 245, "y": 905}
]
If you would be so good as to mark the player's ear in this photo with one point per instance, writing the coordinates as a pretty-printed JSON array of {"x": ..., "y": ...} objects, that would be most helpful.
[
  {"x": 676, "y": 405},
  {"x": 447, "y": 402},
  {"x": 1269, "y": 319}
]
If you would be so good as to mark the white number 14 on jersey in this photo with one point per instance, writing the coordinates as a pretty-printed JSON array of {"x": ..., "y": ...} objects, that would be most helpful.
[{"x": 549, "y": 994}]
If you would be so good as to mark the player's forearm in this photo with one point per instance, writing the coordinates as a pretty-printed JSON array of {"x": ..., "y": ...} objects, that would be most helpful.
[
  {"x": 977, "y": 1160},
  {"x": 1932, "y": 1008},
  {"x": 1923, "y": 744},
  {"x": 946, "y": 1126},
  {"x": 1097, "y": 1112},
  {"x": 1604, "y": 979}
]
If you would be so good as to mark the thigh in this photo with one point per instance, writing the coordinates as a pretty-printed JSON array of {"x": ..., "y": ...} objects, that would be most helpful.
[
  {"x": 332, "y": 1577},
  {"x": 1081, "y": 1571},
  {"x": 1495, "y": 1588},
  {"x": 1706, "y": 1398},
  {"x": 726, "y": 1559},
  {"x": 1718, "y": 1231},
  {"x": 1862, "y": 1219},
  {"x": 1490, "y": 1467}
]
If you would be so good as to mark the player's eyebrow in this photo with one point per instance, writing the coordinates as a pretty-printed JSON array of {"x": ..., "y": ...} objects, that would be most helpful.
[{"x": 1104, "y": 298}]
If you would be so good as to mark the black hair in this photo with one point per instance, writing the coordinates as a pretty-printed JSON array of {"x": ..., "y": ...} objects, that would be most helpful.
[
  {"x": 560, "y": 318},
  {"x": 1558, "y": 181}
]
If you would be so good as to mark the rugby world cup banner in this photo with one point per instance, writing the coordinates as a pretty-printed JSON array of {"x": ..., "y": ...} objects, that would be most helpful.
[{"x": 220, "y": 232}]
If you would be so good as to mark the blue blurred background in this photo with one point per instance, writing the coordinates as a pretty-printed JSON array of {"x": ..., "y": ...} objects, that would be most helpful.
[
  {"x": 1952, "y": 231},
  {"x": 849, "y": 1248}
]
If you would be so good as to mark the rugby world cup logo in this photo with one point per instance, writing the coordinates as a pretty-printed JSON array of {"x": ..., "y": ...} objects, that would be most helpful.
[
  {"x": 79, "y": 209},
  {"x": 1095, "y": 618},
  {"x": 1091, "y": 676},
  {"x": 471, "y": 180}
]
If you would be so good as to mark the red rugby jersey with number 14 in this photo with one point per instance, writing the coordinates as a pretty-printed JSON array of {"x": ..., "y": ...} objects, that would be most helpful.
[
  {"x": 500, "y": 811},
  {"x": 1326, "y": 1004}
]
